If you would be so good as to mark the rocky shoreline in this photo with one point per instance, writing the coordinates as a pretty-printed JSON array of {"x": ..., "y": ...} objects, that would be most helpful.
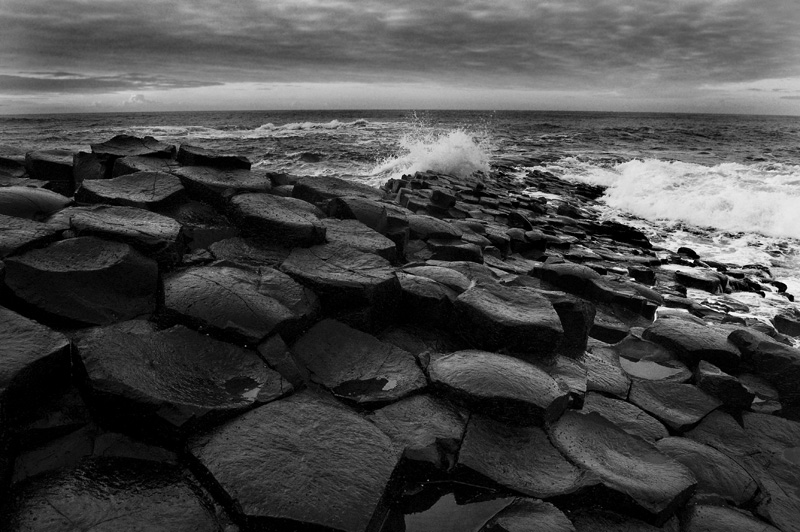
[{"x": 190, "y": 344}]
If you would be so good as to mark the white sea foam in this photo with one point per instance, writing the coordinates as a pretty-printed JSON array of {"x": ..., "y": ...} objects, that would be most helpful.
[
  {"x": 263, "y": 131},
  {"x": 759, "y": 198},
  {"x": 455, "y": 152}
]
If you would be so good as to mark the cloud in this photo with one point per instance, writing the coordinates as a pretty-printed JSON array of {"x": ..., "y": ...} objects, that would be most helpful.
[
  {"x": 556, "y": 44},
  {"x": 136, "y": 99}
]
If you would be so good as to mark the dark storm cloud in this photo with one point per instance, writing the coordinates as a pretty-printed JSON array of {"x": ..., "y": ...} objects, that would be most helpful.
[
  {"x": 61, "y": 82},
  {"x": 567, "y": 44}
]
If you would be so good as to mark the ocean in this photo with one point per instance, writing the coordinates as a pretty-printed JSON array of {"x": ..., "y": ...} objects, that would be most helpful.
[{"x": 727, "y": 186}]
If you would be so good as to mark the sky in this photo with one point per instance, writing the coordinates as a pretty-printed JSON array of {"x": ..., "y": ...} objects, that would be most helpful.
[{"x": 717, "y": 56}]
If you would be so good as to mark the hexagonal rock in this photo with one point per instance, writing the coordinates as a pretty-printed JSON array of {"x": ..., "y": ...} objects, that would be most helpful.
[
  {"x": 85, "y": 279},
  {"x": 217, "y": 185},
  {"x": 155, "y": 235},
  {"x": 249, "y": 252},
  {"x": 129, "y": 165},
  {"x": 18, "y": 234},
  {"x": 626, "y": 416},
  {"x": 429, "y": 429},
  {"x": 344, "y": 277},
  {"x": 693, "y": 342},
  {"x": 516, "y": 318},
  {"x": 573, "y": 278},
  {"x": 357, "y": 235},
  {"x": 197, "y": 156},
  {"x": 709, "y": 518},
  {"x": 286, "y": 221},
  {"x": 780, "y": 365},
  {"x": 450, "y": 278},
  {"x": 245, "y": 304},
  {"x": 528, "y": 515},
  {"x": 53, "y": 166},
  {"x": 131, "y": 146},
  {"x": 320, "y": 188},
  {"x": 624, "y": 463},
  {"x": 34, "y": 359},
  {"x": 717, "y": 475},
  {"x": 123, "y": 493},
  {"x": 174, "y": 380},
  {"x": 146, "y": 190},
  {"x": 424, "y": 227},
  {"x": 355, "y": 365},
  {"x": 500, "y": 386},
  {"x": 519, "y": 458},
  {"x": 679, "y": 406},
  {"x": 724, "y": 387},
  {"x": 604, "y": 372},
  {"x": 423, "y": 300},
  {"x": 303, "y": 460},
  {"x": 29, "y": 202}
]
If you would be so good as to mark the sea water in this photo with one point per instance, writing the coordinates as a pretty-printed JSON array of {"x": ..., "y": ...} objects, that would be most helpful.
[{"x": 727, "y": 186}]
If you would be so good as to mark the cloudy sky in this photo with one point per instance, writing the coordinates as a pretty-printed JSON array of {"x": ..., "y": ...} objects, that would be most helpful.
[{"x": 739, "y": 56}]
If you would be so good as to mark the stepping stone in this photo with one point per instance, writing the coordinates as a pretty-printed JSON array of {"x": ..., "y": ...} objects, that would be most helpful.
[
  {"x": 604, "y": 372},
  {"x": 384, "y": 217},
  {"x": 429, "y": 429},
  {"x": 237, "y": 302},
  {"x": 424, "y": 227},
  {"x": 157, "y": 236},
  {"x": 454, "y": 250},
  {"x": 724, "y": 387},
  {"x": 146, "y": 190},
  {"x": 722, "y": 432},
  {"x": 123, "y": 493},
  {"x": 448, "y": 277},
  {"x": 131, "y": 164},
  {"x": 202, "y": 224},
  {"x": 706, "y": 280},
  {"x": 286, "y": 221},
  {"x": 519, "y": 458},
  {"x": 573, "y": 278},
  {"x": 131, "y": 146},
  {"x": 529, "y": 515},
  {"x": 344, "y": 277},
  {"x": 693, "y": 342},
  {"x": 608, "y": 328},
  {"x": 216, "y": 185},
  {"x": 88, "y": 167},
  {"x": 252, "y": 253},
  {"x": 29, "y": 202},
  {"x": 718, "y": 476},
  {"x": 569, "y": 373},
  {"x": 355, "y": 234},
  {"x": 679, "y": 406},
  {"x": 54, "y": 167},
  {"x": 626, "y": 416},
  {"x": 85, "y": 279},
  {"x": 34, "y": 360},
  {"x": 425, "y": 301},
  {"x": 780, "y": 365},
  {"x": 577, "y": 319},
  {"x": 288, "y": 461},
  {"x": 518, "y": 319},
  {"x": 500, "y": 386},
  {"x": 625, "y": 464},
  {"x": 197, "y": 156},
  {"x": 19, "y": 234},
  {"x": 171, "y": 381},
  {"x": 317, "y": 189},
  {"x": 708, "y": 518},
  {"x": 656, "y": 371},
  {"x": 355, "y": 365}
]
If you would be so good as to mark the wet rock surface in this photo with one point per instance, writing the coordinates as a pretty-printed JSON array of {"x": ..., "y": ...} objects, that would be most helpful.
[{"x": 426, "y": 356}]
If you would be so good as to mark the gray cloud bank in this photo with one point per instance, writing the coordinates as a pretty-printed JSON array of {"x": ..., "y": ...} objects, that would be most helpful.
[{"x": 564, "y": 44}]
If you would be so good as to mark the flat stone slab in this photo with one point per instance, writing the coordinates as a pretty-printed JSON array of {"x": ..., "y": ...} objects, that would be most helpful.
[
  {"x": 626, "y": 416},
  {"x": 33, "y": 359},
  {"x": 146, "y": 190},
  {"x": 679, "y": 406},
  {"x": 197, "y": 156},
  {"x": 245, "y": 304},
  {"x": 357, "y": 235},
  {"x": 718, "y": 476},
  {"x": 137, "y": 163},
  {"x": 425, "y": 227},
  {"x": 355, "y": 365},
  {"x": 708, "y": 518},
  {"x": 448, "y": 277},
  {"x": 658, "y": 371},
  {"x": 85, "y": 279},
  {"x": 153, "y": 234},
  {"x": 624, "y": 463},
  {"x": 500, "y": 386},
  {"x": 248, "y": 252},
  {"x": 290, "y": 460},
  {"x": 30, "y": 202},
  {"x": 423, "y": 300},
  {"x": 527, "y": 515},
  {"x": 132, "y": 146},
  {"x": 604, "y": 372},
  {"x": 109, "y": 493},
  {"x": 217, "y": 185},
  {"x": 520, "y": 458},
  {"x": 343, "y": 276},
  {"x": 693, "y": 342},
  {"x": 724, "y": 387},
  {"x": 320, "y": 188},
  {"x": 18, "y": 234},
  {"x": 429, "y": 429},
  {"x": 286, "y": 221},
  {"x": 515, "y": 318},
  {"x": 176, "y": 378}
]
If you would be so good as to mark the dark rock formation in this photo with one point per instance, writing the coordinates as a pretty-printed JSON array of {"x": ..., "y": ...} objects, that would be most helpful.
[
  {"x": 218, "y": 185},
  {"x": 708, "y": 518},
  {"x": 357, "y": 235},
  {"x": 85, "y": 279},
  {"x": 146, "y": 190},
  {"x": 131, "y": 146},
  {"x": 29, "y": 202},
  {"x": 526, "y": 515},
  {"x": 724, "y": 387},
  {"x": 197, "y": 156},
  {"x": 626, "y": 416},
  {"x": 286, "y": 221},
  {"x": 318, "y": 189},
  {"x": 53, "y": 167},
  {"x": 693, "y": 342},
  {"x": 679, "y": 406},
  {"x": 19, "y": 234}
]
